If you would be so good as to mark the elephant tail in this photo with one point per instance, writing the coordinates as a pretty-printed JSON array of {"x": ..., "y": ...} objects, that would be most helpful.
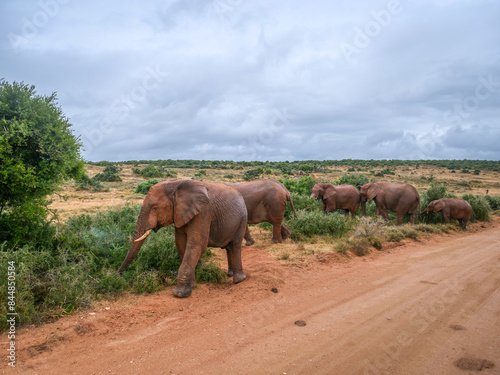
[{"x": 289, "y": 198}]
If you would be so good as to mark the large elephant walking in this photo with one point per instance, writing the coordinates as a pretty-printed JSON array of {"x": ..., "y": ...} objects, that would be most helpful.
[
  {"x": 454, "y": 208},
  {"x": 343, "y": 197},
  {"x": 398, "y": 197},
  {"x": 266, "y": 202},
  {"x": 204, "y": 214}
]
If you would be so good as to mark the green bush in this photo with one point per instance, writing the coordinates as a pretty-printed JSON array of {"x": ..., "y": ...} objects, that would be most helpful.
[
  {"x": 87, "y": 183},
  {"x": 302, "y": 202},
  {"x": 493, "y": 201},
  {"x": 480, "y": 207},
  {"x": 355, "y": 179},
  {"x": 150, "y": 171},
  {"x": 315, "y": 223},
  {"x": 110, "y": 174},
  {"x": 27, "y": 223},
  {"x": 303, "y": 185},
  {"x": 144, "y": 187},
  {"x": 252, "y": 174}
]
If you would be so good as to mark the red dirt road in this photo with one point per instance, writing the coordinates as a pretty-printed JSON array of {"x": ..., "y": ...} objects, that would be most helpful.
[{"x": 412, "y": 309}]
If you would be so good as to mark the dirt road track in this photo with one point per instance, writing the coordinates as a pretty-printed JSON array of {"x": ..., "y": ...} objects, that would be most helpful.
[{"x": 414, "y": 309}]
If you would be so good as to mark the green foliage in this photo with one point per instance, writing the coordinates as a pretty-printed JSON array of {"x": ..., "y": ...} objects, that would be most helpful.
[
  {"x": 110, "y": 174},
  {"x": 314, "y": 223},
  {"x": 144, "y": 187},
  {"x": 27, "y": 223},
  {"x": 302, "y": 202},
  {"x": 150, "y": 171},
  {"x": 480, "y": 207},
  {"x": 252, "y": 174},
  {"x": 302, "y": 185},
  {"x": 228, "y": 176},
  {"x": 355, "y": 179},
  {"x": 493, "y": 201},
  {"x": 84, "y": 182},
  {"x": 38, "y": 151}
]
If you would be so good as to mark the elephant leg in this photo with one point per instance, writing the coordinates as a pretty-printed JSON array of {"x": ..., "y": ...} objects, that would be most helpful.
[
  {"x": 285, "y": 232},
  {"x": 277, "y": 233},
  {"x": 229, "y": 262},
  {"x": 249, "y": 241},
  {"x": 462, "y": 223},
  {"x": 233, "y": 250},
  {"x": 186, "y": 274},
  {"x": 180, "y": 243},
  {"x": 346, "y": 213},
  {"x": 400, "y": 219},
  {"x": 446, "y": 218}
]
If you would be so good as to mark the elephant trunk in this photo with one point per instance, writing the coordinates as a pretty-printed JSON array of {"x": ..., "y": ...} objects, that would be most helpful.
[
  {"x": 363, "y": 207},
  {"x": 140, "y": 234}
]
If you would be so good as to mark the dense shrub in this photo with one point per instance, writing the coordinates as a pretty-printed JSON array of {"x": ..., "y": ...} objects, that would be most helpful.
[
  {"x": 316, "y": 223},
  {"x": 355, "y": 179},
  {"x": 480, "y": 207},
  {"x": 144, "y": 187},
  {"x": 110, "y": 174},
  {"x": 84, "y": 182},
  {"x": 252, "y": 174},
  {"x": 150, "y": 171},
  {"x": 302, "y": 202},
  {"x": 302, "y": 185},
  {"x": 493, "y": 201}
]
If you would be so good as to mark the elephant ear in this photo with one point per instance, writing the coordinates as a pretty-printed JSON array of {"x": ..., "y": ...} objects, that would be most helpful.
[
  {"x": 330, "y": 191},
  {"x": 439, "y": 205},
  {"x": 372, "y": 192},
  {"x": 190, "y": 199}
]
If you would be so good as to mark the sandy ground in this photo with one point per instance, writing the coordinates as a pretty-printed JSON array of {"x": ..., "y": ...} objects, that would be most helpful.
[{"x": 426, "y": 307}]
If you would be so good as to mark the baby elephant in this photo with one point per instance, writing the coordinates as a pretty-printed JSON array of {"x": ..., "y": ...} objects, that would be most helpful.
[{"x": 458, "y": 209}]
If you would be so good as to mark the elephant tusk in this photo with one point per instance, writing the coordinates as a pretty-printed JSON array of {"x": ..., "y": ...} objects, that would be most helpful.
[{"x": 143, "y": 236}]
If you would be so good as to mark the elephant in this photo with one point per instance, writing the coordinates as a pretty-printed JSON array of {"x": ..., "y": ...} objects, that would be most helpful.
[
  {"x": 398, "y": 197},
  {"x": 265, "y": 201},
  {"x": 205, "y": 214},
  {"x": 344, "y": 197},
  {"x": 454, "y": 208}
]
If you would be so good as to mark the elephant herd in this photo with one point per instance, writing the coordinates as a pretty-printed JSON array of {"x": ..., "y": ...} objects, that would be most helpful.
[{"x": 216, "y": 214}]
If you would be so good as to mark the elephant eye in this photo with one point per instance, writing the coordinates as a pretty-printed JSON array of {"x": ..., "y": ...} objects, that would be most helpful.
[{"x": 154, "y": 209}]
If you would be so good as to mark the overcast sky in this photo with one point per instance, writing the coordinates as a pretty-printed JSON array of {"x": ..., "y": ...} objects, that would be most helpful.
[{"x": 264, "y": 80}]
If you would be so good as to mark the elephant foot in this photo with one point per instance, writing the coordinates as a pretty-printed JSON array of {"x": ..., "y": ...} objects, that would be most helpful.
[
  {"x": 238, "y": 277},
  {"x": 182, "y": 291},
  {"x": 276, "y": 240},
  {"x": 230, "y": 273},
  {"x": 249, "y": 242}
]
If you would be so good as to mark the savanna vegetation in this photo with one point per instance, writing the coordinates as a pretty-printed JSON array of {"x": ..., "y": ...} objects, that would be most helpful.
[{"x": 67, "y": 225}]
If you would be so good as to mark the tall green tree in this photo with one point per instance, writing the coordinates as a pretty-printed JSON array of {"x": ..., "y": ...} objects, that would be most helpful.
[{"x": 38, "y": 151}]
